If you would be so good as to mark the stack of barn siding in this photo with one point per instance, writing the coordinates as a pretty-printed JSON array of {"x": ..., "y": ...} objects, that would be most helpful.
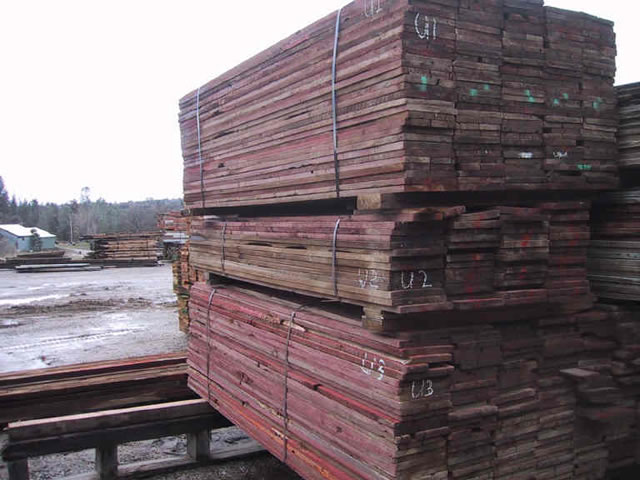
[
  {"x": 421, "y": 260},
  {"x": 431, "y": 96},
  {"x": 629, "y": 129},
  {"x": 569, "y": 239},
  {"x": 394, "y": 261},
  {"x": 48, "y": 257},
  {"x": 453, "y": 400},
  {"x": 606, "y": 385},
  {"x": 184, "y": 277},
  {"x": 182, "y": 286},
  {"x": 130, "y": 247},
  {"x": 614, "y": 257},
  {"x": 173, "y": 222}
]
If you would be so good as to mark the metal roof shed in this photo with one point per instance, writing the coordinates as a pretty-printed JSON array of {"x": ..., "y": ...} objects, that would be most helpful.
[{"x": 21, "y": 237}]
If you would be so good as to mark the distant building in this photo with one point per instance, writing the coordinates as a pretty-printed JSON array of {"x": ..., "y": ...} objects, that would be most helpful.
[{"x": 24, "y": 240}]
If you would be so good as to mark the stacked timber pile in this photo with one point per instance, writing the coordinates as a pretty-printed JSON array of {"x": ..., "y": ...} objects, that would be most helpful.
[
  {"x": 46, "y": 257},
  {"x": 182, "y": 286},
  {"x": 430, "y": 96},
  {"x": 184, "y": 277},
  {"x": 607, "y": 388},
  {"x": 125, "y": 247},
  {"x": 614, "y": 258},
  {"x": 175, "y": 228},
  {"x": 453, "y": 399},
  {"x": 629, "y": 130},
  {"x": 609, "y": 412},
  {"x": 392, "y": 210},
  {"x": 173, "y": 222},
  {"x": 615, "y": 253},
  {"x": 430, "y": 259}
]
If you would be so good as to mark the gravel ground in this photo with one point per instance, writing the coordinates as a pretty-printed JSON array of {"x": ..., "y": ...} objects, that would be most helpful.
[{"x": 54, "y": 319}]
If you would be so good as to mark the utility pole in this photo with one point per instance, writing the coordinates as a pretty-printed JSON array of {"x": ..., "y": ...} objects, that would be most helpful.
[{"x": 71, "y": 229}]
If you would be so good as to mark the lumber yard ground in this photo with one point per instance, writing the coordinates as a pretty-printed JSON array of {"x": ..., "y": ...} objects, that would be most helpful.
[{"x": 67, "y": 318}]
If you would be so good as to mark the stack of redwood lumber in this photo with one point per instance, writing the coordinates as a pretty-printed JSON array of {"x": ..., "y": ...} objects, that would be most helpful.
[
  {"x": 607, "y": 387},
  {"x": 404, "y": 305},
  {"x": 176, "y": 221},
  {"x": 125, "y": 247},
  {"x": 91, "y": 387},
  {"x": 46, "y": 257},
  {"x": 430, "y": 96},
  {"x": 184, "y": 276},
  {"x": 629, "y": 129},
  {"x": 569, "y": 239},
  {"x": 407, "y": 261},
  {"x": 458, "y": 398},
  {"x": 181, "y": 286},
  {"x": 391, "y": 260},
  {"x": 614, "y": 257}
]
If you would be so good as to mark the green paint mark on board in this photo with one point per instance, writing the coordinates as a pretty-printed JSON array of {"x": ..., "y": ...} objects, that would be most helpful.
[
  {"x": 597, "y": 103},
  {"x": 529, "y": 96},
  {"x": 584, "y": 167},
  {"x": 474, "y": 92},
  {"x": 556, "y": 102},
  {"x": 424, "y": 83},
  {"x": 565, "y": 96},
  {"x": 486, "y": 87}
]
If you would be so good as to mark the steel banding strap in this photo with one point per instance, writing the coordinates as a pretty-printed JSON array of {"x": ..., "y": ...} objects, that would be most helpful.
[
  {"x": 334, "y": 104},
  {"x": 334, "y": 258},
  {"x": 285, "y": 403},
  {"x": 213, "y": 292},
  {"x": 200, "y": 146}
]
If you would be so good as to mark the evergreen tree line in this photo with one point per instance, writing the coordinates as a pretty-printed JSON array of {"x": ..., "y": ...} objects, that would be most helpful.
[{"x": 84, "y": 217}]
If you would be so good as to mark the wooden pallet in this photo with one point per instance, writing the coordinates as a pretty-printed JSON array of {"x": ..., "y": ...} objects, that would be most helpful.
[{"x": 105, "y": 430}]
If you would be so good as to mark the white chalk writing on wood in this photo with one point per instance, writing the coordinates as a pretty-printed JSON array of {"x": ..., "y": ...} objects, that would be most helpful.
[
  {"x": 430, "y": 29},
  {"x": 419, "y": 279},
  {"x": 370, "y": 279},
  {"x": 373, "y": 367},
  {"x": 372, "y": 7},
  {"x": 422, "y": 389}
]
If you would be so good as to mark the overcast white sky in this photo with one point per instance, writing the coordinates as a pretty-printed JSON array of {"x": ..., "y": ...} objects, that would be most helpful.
[{"x": 89, "y": 89}]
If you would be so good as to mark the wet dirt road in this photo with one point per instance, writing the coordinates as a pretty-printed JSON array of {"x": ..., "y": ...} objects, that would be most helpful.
[{"x": 53, "y": 319}]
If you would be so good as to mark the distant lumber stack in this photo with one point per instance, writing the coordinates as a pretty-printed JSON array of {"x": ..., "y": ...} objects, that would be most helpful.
[
  {"x": 122, "y": 248},
  {"x": 390, "y": 228}
]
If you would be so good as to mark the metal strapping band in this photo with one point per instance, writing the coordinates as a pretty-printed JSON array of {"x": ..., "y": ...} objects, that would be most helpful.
[
  {"x": 285, "y": 401},
  {"x": 334, "y": 258},
  {"x": 213, "y": 292},
  {"x": 224, "y": 239},
  {"x": 334, "y": 104},
  {"x": 200, "y": 146}
]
